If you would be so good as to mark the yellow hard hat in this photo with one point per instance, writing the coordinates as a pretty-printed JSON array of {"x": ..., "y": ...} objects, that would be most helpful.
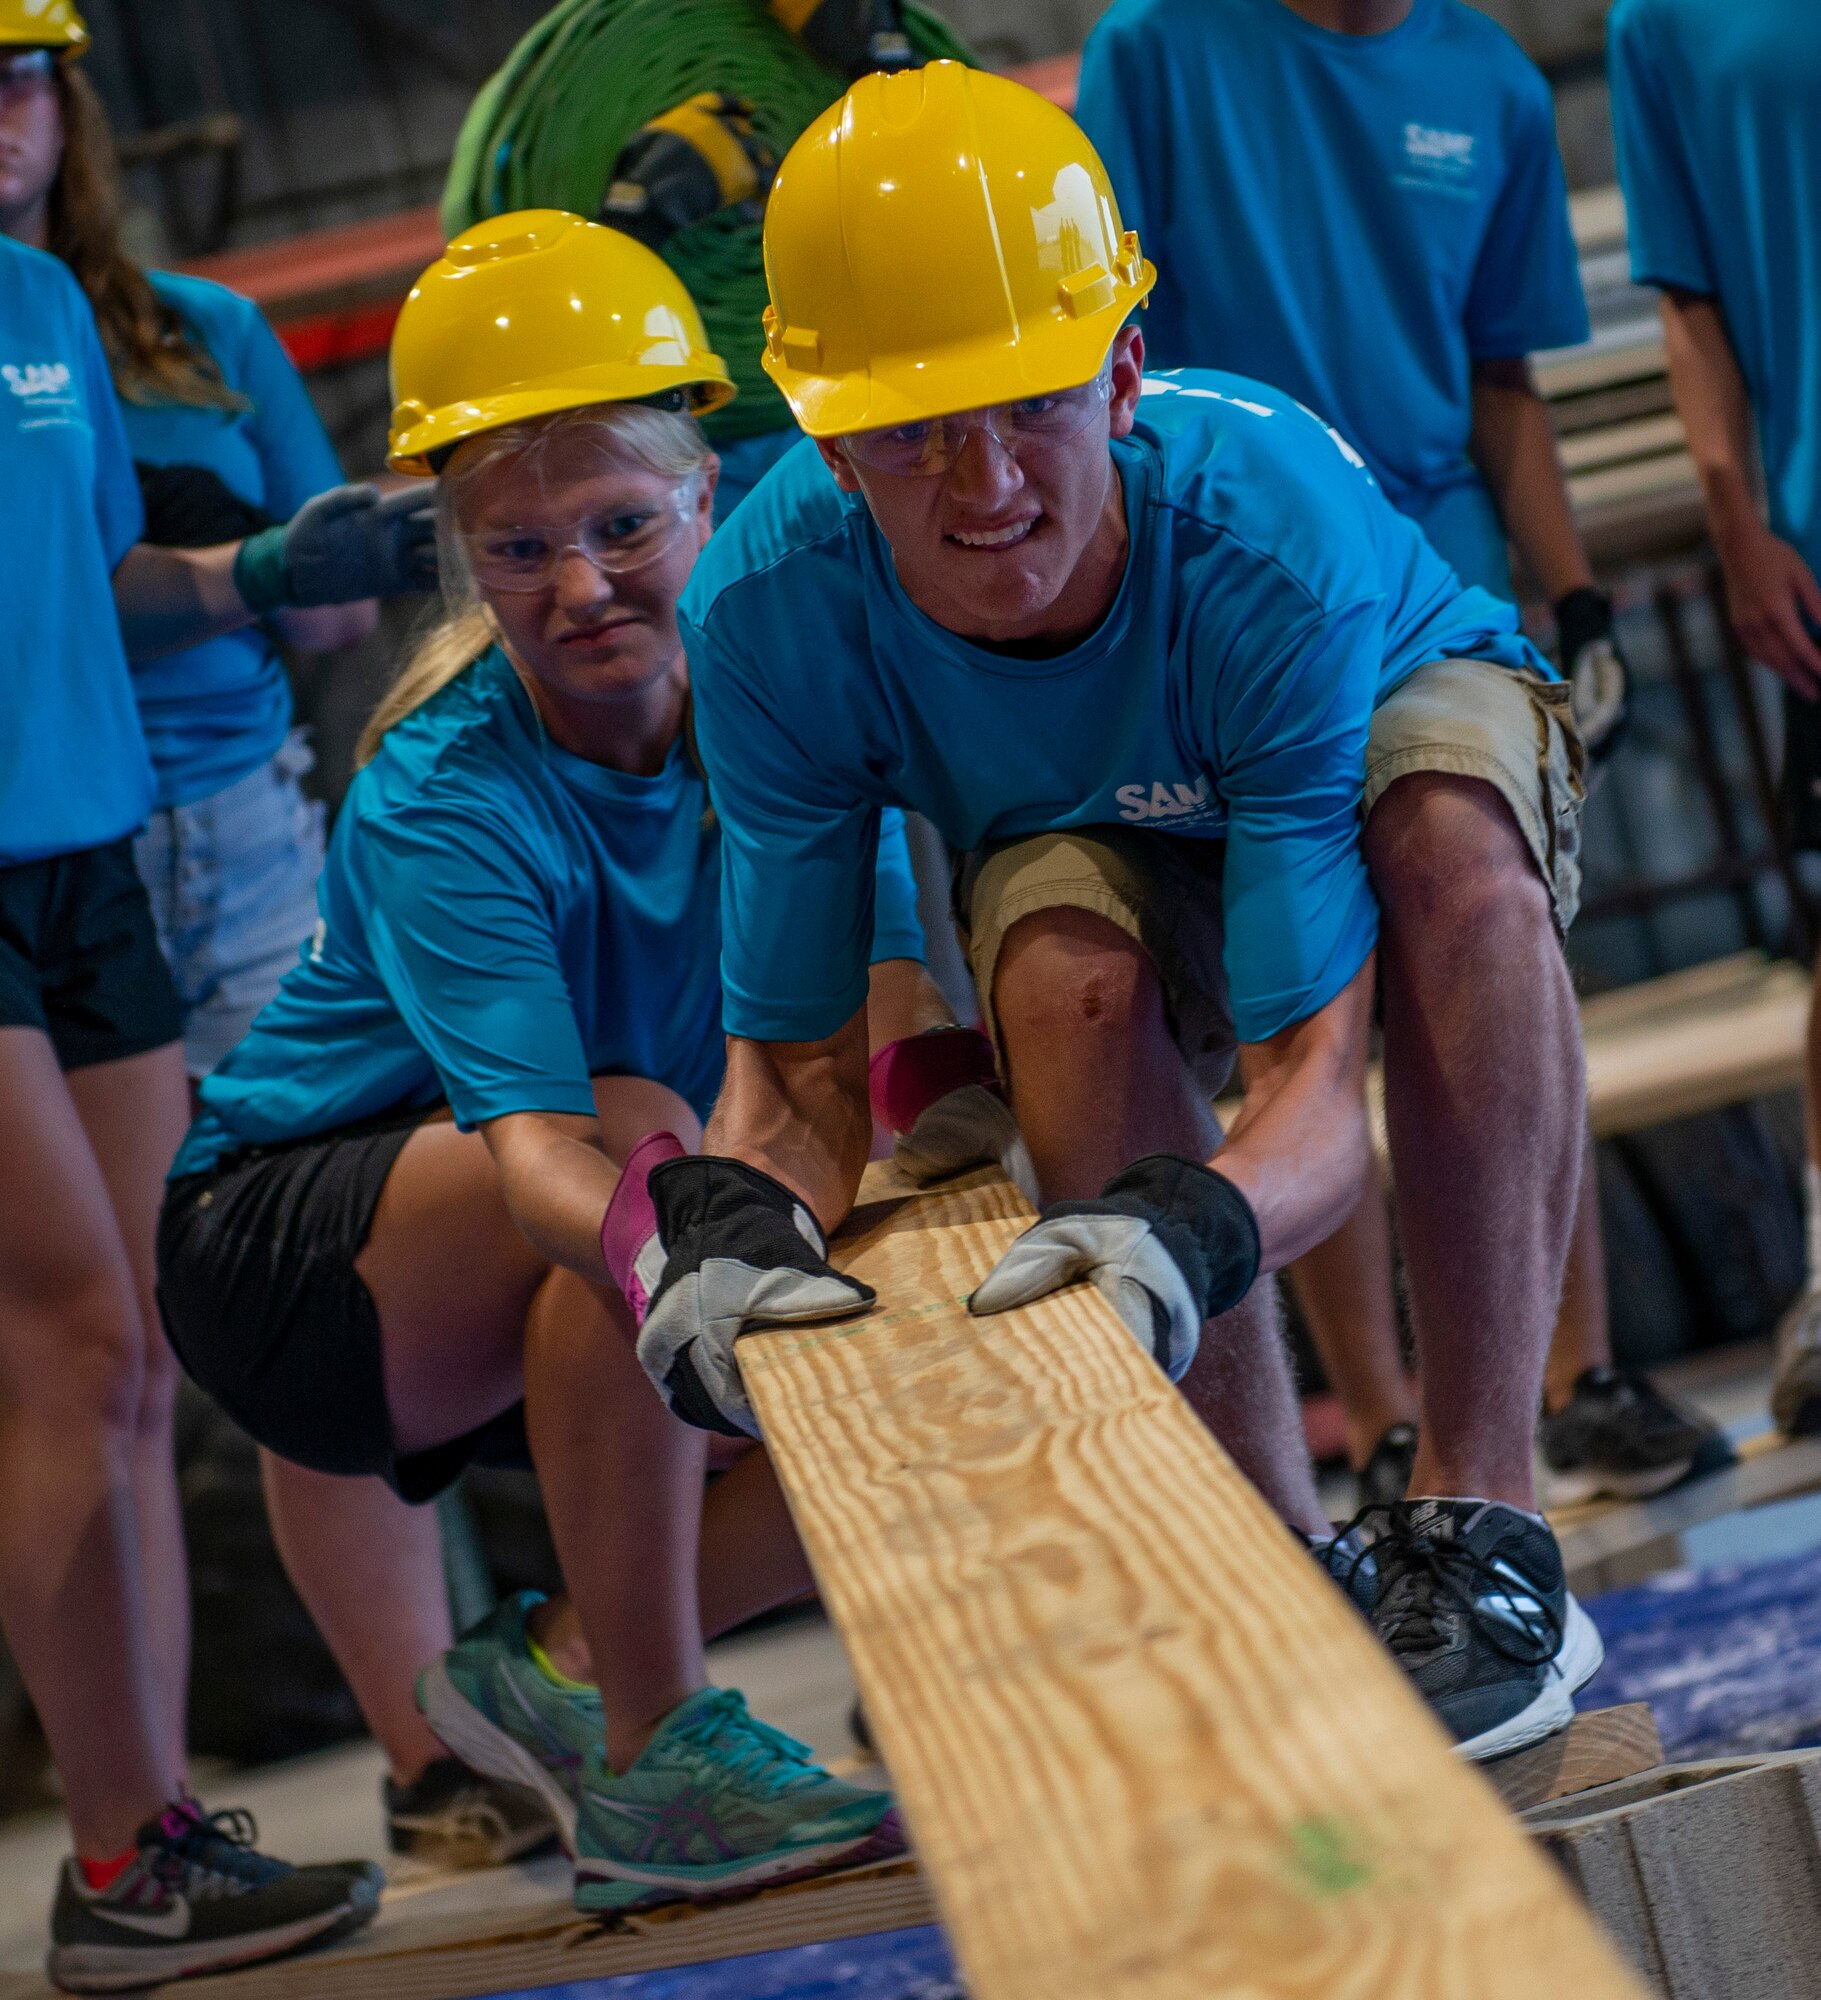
[
  {"x": 540, "y": 311},
  {"x": 42, "y": 24},
  {"x": 941, "y": 239}
]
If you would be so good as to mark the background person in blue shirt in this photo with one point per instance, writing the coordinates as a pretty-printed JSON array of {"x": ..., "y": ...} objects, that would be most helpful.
[
  {"x": 1716, "y": 108},
  {"x": 1362, "y": 202},
  {"x": 1146, "y": 652},
  {"x": 93, "y": 1101},
  {"x": 387, "y": 1244},
  {"x": 227, "y": 442}
]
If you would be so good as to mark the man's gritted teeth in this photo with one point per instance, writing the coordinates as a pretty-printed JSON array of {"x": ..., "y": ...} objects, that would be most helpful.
[{"x": 1006, "y": 535}]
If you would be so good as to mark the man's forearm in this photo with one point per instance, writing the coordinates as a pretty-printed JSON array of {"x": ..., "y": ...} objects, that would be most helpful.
[
  {"x": 170, "y": 599},
  {"x": 799, "y": 1112},
  {"x": 1299, "y": 1147},
  {"x": 1514, "y": 446},
  {"x": 1711, "y": 400}
]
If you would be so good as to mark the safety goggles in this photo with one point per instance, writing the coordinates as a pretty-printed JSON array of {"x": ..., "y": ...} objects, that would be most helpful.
[
  {"x": 617, "y": 542},
  {"x": 25, "y": 69},
  {"x": 1035, "y": 423}
]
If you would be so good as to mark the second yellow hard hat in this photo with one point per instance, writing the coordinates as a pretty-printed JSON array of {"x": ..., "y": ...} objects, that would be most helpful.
[
  {"x": 535, "y": 312},
  {"x": 941, "y": 239},
  {"x": 42, "y": 24}
]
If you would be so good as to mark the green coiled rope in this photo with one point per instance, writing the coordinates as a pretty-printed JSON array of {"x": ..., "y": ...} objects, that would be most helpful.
[{"x": 549, "y": 124}]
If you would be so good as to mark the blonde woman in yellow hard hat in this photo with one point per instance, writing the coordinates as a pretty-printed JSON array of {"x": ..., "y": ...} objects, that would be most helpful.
[
  {"x": 1160, "y": 659},
  {"x": 397, "y": 1236}
]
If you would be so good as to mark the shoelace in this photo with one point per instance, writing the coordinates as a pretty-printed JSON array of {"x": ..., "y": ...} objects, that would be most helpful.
[
  {"x": 219, "y": 1846},
  {"x": 748, "y": 1750},
  {"x": 1424, "y": 1577}
]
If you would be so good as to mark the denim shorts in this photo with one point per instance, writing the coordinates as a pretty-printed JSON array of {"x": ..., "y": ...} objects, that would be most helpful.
[{"x": 232, "y": 878}]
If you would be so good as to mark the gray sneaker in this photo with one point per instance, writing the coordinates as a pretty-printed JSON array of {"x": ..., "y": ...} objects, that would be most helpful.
[
  {"x": 1795, "y": 1391},
  {"x": 197, "y": 1897}
]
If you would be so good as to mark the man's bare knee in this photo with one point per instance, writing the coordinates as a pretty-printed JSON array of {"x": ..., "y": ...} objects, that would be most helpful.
[
  {"x": 1067, "y": 975},
  {"x": 1448, "y": 850}
]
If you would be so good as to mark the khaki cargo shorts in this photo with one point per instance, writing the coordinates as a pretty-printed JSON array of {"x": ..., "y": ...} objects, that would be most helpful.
[{"x": 1471, "y": 718}]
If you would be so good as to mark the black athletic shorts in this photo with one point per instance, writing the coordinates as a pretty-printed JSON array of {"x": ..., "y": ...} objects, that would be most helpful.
[
  {"x": 260, "y": 1297},
  {"x": 79, "y": 957}
]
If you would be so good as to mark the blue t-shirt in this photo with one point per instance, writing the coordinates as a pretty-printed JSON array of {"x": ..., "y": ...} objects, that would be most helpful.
[
  {"x": 221, "y": 709},
  {"x": 744, "y": 462},
  {"x": 73, "y": 766},
  {"x": 500, "y": 921},
  {"x": 1352, "y": 218},
  {"x": 1271, "y": 598},
  {"x": 1716, "y": 107}
]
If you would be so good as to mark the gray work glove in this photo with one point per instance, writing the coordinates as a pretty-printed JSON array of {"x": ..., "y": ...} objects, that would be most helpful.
[
  {"x": 740, "y": 1250},
  {"x": 1594, "y": 669},
  {"x": 1169, "y": 1244},
  {"x": 350, "y": 543}
]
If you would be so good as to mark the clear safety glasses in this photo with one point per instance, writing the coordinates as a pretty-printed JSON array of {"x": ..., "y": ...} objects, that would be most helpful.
[
  {"x": 919, "y": 451},
  {"x": 25, "y": 69},
  {"x": 616, "y": 542}
]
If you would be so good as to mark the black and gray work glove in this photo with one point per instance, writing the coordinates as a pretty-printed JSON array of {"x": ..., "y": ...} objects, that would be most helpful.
[
  {"x": 851, "y": 36},
  {"x": 347, "y": 544},
  {"x": 1169, "y": 1243},
  {"x": 1594, "y": 668},
  {"x": 740, "y": 1250}
]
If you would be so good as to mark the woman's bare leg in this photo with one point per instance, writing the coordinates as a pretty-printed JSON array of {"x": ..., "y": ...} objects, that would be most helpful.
[
  {"x": 370, "y": 1572},
  {"x": 1345, "y": 1289},
  {"x": 72, "y": 1584},
  {"x": 135, "y": 1113}
]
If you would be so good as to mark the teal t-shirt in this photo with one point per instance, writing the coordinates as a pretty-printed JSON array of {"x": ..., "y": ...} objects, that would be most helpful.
[
  {"x": 1716, "y": 108},
  {"x": 219, "y": 710},
  {"x": 1352, "y": 218},
  {"x": 499, "y": 921},
  {"x": 1271, "y": 598},
  {"x": 73, "y": 767}
]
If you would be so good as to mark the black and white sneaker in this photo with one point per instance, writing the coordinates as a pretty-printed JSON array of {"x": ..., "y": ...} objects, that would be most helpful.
[
  {"x": 1473, "y": 1604},
  {"x": 1619, "y": 1437},
  {"x": 1384, "y": 1479},
  {"x": 454, "y": 1817},
  {"x": 197, "y": 1897}
]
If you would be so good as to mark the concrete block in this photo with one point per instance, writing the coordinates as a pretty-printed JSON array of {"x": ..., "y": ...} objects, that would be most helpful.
[{"x": 1707, "y": 1876}]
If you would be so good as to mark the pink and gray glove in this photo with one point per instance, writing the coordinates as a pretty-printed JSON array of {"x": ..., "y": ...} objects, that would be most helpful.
[
  {"x": 940, "y": 1097},
  {"x": 629, "y": 1232}
]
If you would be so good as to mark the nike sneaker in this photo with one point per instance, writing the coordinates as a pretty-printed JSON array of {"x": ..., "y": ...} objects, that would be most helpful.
[
  {"x": 1619, "y": 1437},
  {"x": 719, "y": 1804},
  {"x": 452, "y": 1817},
  {"x": 197, "y": 1896},
  {"x": 503, "y": 1716},
  {"x": 1473, "y": 1604}
]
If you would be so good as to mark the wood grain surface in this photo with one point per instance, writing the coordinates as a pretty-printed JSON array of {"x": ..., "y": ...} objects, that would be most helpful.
[
  {"x": 1595, "y": 1749},
  {"x": 1144, "y": 1746}
]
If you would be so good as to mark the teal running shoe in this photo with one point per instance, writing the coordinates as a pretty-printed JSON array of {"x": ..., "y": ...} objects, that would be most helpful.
[
  {"x": 502, "y": 1715},
  {"x": 719, "y": 1804}
]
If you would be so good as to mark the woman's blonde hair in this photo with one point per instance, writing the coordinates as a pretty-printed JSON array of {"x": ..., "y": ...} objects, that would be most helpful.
[
  {"x": 635, "y": 434},
  {"x": 152, "y": 355}
]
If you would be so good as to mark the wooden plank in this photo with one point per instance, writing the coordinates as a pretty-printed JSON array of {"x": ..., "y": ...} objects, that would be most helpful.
[
  {"x": 1573, "y": 370},
  {"x": 1615, "y": 444},
  {"x": 1144, "y": 1746},
  {"x": 506, "y": 1929},
  {"x": 1595, "y": 1749},
  {"x": 1771, "y": 1467}
]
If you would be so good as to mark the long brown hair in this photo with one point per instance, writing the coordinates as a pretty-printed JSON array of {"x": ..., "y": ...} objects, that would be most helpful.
[{"x": 153, "y": 356}]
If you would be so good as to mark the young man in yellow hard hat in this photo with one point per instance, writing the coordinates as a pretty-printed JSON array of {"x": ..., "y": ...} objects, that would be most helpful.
[{"x": 1147, "y": 652}]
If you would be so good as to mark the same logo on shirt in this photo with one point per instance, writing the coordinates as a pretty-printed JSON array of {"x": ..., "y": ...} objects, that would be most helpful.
[
  {"x": 1436, "y": 159},
  {"x": 1158, "y": 803},
  {"x": 45, "y": 391}
]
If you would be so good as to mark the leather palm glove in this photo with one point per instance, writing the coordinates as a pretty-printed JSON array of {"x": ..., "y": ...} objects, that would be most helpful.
[
  {"x": 1169, "y": 1244},
  {"x": 685, "y": 166},
  {"x": 350, "y": 543},
  {"x": 938, "y": 1094},
  {"x": 739, "y": 1250},
  {"x": 1594, "y": 669}
]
